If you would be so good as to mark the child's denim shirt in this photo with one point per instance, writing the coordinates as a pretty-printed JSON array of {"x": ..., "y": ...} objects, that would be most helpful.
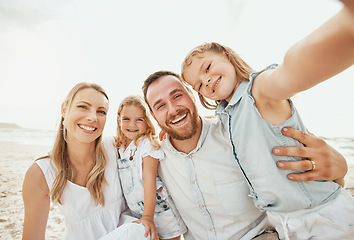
[{"x": 253, "y": 139}]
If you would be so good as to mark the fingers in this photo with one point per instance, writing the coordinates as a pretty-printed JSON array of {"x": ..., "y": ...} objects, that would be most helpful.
[
  {"x": 292, "y": 151},
  {"x": 307, "y": 176},
  {"x": 162, "y": 135},
  {"x": 299, "y": 135},
  {"x": 329, "y": 163},
  {"x": 303, "y": 165}
]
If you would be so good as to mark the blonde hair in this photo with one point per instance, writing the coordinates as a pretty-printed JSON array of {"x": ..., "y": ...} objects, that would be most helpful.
[
  {"x": 150, "y": 133},
  {"x": 242, "y": 69},
  {"x": 59, "y": 156}
]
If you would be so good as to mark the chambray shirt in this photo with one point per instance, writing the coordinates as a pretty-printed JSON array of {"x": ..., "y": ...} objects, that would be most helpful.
[
  {"x": 209, "y": 189},
  {"x": 253, "y": 139}
]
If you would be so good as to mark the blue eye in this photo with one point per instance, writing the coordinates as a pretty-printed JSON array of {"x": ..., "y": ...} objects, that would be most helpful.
[{"x": 102, "y": 112}]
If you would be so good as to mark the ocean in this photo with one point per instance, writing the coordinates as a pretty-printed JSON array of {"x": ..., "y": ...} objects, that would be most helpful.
[{"x": 46, "y": 138}]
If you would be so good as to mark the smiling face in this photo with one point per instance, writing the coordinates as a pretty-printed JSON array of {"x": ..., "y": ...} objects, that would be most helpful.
[
  {"x": 86, "y": 116},
  {"x": 173, "y": 107},
  {"x": 132, "y": 122},
  {"x": 212, "y": 75}
]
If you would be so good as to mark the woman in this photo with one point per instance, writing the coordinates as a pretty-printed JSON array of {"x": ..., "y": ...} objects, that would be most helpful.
[{"x": 80, "y": 174}]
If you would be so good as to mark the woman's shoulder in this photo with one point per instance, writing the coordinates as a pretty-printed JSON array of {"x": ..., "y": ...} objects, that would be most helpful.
[{"x": 35, "y": 177}]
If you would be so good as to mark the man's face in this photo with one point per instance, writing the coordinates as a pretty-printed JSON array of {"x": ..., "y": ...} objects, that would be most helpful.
[{"x": 173, "y": 107}]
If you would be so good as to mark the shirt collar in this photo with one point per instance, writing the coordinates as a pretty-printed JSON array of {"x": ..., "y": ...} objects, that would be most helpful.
[
  {"x": 235, "y": 98},
  {"x": 166, "y": 144}
]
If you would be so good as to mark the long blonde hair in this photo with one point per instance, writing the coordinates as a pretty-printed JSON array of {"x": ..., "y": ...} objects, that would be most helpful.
[
  {"x": 59, "y": 156},
  {"x": 150, "y": 133},
  {"x": 242, "y": 69}
]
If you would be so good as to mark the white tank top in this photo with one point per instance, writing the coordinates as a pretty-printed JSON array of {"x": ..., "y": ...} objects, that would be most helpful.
[{"x": 83, "y": 218}]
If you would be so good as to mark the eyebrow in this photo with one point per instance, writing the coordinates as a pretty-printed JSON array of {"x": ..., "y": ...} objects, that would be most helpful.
[{"x": 85, "y": 102}]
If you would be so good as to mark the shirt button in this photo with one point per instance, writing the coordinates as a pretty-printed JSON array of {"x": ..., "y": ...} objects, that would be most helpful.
[
  {"x": 201, "y": 206},
  {"x": 210, "y": 229},
  {"x": 164, "y": 206},
  {"x": 159, "y": 197},
  {"x": 192, "y": 182}
]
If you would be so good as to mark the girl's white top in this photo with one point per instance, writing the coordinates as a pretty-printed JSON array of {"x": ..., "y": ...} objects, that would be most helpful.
[
  {"x": 143, "y": 149},
  {"x": 83, "y": 218}
]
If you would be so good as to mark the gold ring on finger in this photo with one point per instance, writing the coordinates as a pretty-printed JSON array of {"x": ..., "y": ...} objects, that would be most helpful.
[{"x": 313, "y": 165}]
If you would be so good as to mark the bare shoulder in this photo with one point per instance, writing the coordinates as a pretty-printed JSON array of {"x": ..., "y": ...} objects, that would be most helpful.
[
  {"x": 35, "y": 180},
  {"x": 272, "y": 110}
]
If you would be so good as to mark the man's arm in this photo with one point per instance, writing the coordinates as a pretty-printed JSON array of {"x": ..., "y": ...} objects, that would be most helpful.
[{"x": 330, "y": 164}]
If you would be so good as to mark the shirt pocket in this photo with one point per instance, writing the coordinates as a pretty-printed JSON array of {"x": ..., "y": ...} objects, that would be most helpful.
[{"x": 233, "y": 196}]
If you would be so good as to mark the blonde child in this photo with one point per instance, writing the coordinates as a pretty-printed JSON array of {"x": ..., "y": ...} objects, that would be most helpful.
[
  {"x": 140, "y": 153},
  {"x": 254, "y": 109}
]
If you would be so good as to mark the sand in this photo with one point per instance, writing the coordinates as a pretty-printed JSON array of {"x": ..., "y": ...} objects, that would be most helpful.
[{"x": 14, "y": 161}]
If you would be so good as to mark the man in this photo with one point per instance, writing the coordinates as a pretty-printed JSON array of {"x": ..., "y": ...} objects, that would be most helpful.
[{"x": 201, "y": 173}]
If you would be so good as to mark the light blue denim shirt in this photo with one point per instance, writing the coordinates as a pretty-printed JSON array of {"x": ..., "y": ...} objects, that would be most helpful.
[
  {"x": 209, "y": 189},
  {"x": 253, "y": 139}
]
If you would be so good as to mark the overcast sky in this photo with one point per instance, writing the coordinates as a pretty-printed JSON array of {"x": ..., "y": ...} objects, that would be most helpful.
[{"x": 47, "y": 46}]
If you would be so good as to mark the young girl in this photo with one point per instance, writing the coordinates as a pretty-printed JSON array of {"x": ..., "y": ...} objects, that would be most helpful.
[
  {"x": 255, "y": 111},
  {"x": 140, "y": 153}
]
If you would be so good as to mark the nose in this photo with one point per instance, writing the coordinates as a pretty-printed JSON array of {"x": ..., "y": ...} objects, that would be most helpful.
[
  {"x": 206, "y": 80},
  {"x": 173, "y": 109},
  {"x": 91, "y": 116}
]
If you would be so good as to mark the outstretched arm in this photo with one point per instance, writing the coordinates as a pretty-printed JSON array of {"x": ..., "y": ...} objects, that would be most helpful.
[
  {"x": 35, "y": 193},
  {"x": 330, "y": 164},
  {"x": 324, "y": 53}
]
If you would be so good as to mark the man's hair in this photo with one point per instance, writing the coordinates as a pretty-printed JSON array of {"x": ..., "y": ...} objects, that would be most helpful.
[{"x": 154, "y": 77}]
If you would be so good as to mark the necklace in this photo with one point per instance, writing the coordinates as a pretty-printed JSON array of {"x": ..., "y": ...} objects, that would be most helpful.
[{"x": 132, "y": 153}]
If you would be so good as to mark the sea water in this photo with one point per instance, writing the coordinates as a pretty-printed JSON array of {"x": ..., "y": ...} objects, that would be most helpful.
[
  {"x": 27, "y": 136},
  {"x": 46, "y": 138}
]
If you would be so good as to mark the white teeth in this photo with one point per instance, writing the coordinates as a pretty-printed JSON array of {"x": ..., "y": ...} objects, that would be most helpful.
[
  {"x": 179, "y": 119},
  {"x": 87, "y": 128}
]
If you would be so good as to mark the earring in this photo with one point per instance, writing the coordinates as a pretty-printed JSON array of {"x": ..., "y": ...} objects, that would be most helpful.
[{"x": 64, "y": 130}]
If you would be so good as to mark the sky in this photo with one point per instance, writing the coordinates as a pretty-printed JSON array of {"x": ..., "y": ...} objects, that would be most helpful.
[{"x": 48, "y": 46}]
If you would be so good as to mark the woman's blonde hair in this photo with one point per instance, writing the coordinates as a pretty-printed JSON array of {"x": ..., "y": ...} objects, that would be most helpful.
[
  {"x": 59, "y": 156},
  {"x": 137, "y": 101},
  {"x": 242, "y": 69}
]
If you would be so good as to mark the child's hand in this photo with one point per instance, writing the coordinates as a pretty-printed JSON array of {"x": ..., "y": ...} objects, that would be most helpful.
[
  {"x": 149, "y": 225},
  {"x": 162, "y": 135}
]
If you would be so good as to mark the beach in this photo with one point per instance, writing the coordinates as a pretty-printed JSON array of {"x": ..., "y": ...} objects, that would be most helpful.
[{"x": 15, "y": 158}]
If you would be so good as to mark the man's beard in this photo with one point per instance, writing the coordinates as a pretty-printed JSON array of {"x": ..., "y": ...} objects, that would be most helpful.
[{"x": 188, "y": 131}]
